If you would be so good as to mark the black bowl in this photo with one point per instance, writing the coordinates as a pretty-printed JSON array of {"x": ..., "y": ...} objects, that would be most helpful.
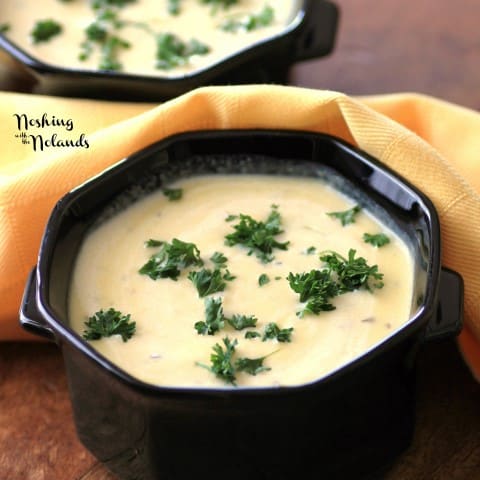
[
  {"x": 348, "y": 424},
  {"x": 310, "y": 35}
]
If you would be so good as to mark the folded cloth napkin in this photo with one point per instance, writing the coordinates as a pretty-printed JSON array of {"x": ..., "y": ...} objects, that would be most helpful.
[{"x": 432, "y": 143}]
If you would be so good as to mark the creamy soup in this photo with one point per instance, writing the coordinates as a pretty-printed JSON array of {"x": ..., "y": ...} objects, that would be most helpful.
[
  {"x": 168, "y": 346},
  {"x": 136, "y": 37}
]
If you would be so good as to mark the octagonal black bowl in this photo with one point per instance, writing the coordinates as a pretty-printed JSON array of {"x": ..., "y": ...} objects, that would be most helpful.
[
  {"x": 311, "y": 34},
  {"x": 348, "y": 424}
]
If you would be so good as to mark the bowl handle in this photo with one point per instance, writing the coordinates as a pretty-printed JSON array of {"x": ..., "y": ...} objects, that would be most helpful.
[
  {"x": 448, "y": 318},
  {"x": 30, "y": 318},
  {"x": 318, "y": 36}
]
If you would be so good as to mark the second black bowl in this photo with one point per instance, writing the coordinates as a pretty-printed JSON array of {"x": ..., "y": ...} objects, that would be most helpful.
[{"x": 310, "y": 34}]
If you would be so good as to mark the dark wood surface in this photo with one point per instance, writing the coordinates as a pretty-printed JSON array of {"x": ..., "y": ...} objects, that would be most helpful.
[{"x": 428, "y": 46}]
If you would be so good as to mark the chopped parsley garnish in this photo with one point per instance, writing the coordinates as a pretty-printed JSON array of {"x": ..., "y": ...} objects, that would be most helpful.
[
  {"x": 315, "y": 305},
  {"x": 239, "y": 322},
  {"x": 4, "y": 27},
  {"x": 219, "y": 259},
  {"x": 98, "y": 4},
  {"x": 249, "y": 22},
  {"x": 314, "y": 283},
  {"x": 263, "y": 279},
  {"x": 102, "y": 34},
  {"x": 347, "y": 216},
  {"x": 222, "y": 364},
  {"x": 316, "y": 288},
  {"x": 96, "y": 32},
  {"x": 231, "y": 218},
  {"x": 257, "y": 236},
  {"x": 171, "y": 259},
  {"x": 251, "y": 366},
  {"x": 252, "y": 334},
  {"x": 341, "y": 275},
  {"x": 110, "y": 44},
  {"x": 109, "y": 57},
  {"x": 274, "y": 332},
  {"x": 173, "y": 7},
  {"x": 377, "y": 240},
  {"x": 352, "y": 273},
  {"x": 173, "y": 193},
  {"x": 172, "y": 51},
  {"x": 107, "y": 323},
  {"x": 310, "y": 250},
  {"x": 216, "y": 4},
  {"x": 111, "y": 16},
  {"x": 221, "y": 361},
  {"x": 207, "y": 281},
  {"x": 44, "y": 30},
  {"x": 151, "y": 242},
  {"x": 214, "y": 319},
  {"x": 228, "y": 276}
]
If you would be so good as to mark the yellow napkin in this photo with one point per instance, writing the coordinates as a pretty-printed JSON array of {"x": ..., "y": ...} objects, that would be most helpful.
[{"x": 432, "y": 143}]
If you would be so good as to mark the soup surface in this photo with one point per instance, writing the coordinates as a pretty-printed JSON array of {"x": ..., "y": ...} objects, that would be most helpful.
[
  {"x": 171, "y": 344},
  {"x": 149, "y": 37}
]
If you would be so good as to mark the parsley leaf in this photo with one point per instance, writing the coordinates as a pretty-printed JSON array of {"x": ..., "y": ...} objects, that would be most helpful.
[
  {"x": 310, "y": 250},
  {"x": 352, "y": 273},
  {"x": 173, "y": 7},
  {"x": 249, "y": 22},
  {"x": 239, "y": 322},
  {"x": 4, "y": 27},
  {"x": 263, "y": 279},
  {"x": 108, "y": 323},
  {"x": 98, "y": 4},
  {"x": 109, "y": 53},
  {"x": 377, "y": 240},
  {"x": 273, "y": 331},
  {"x": 214, "y": 319},
  {"x": 110, "y": 44},
  {"x": 316, "y": 288},
  {"x": 219, "y": 259},
  {"x": 315, "y": 305},
  {"x": 228, "y": 276},
  {"x": 96, "y": 32},
  {"x": 170, "y": 259},
  {"x": 151, "y": 242},
  {"x": 173, "y": 193},
  {"x": 44, "y": 30},
  {"x": 251, "y": 366},
  {"x": 210, "y": 281},
  {"x": 342, "y": 275},
  {"x": 314, "y": 283},
  {"x": 216, "y": 4},
  {"x": 172, "y": 51},
  {"x": 101, "y": 34},
  {"x": 207, "y": 281},
  {"x": 347, "y": 216},
  {"x": 258, "y": 236},
  {"x": 252, "y": 334},
  {"x": 221, "y": 361}
]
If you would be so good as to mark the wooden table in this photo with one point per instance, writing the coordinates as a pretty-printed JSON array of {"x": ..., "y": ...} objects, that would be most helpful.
[{"x": 428, "y": 46}]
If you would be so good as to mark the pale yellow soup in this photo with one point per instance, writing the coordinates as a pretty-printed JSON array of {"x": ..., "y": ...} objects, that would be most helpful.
[
  {"x": 146, "y": 18},
  {"x": 166, "y": 348}
]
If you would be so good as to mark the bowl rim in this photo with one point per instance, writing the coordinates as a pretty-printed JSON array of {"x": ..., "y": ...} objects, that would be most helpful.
[{"x": 65, "y": 335}]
